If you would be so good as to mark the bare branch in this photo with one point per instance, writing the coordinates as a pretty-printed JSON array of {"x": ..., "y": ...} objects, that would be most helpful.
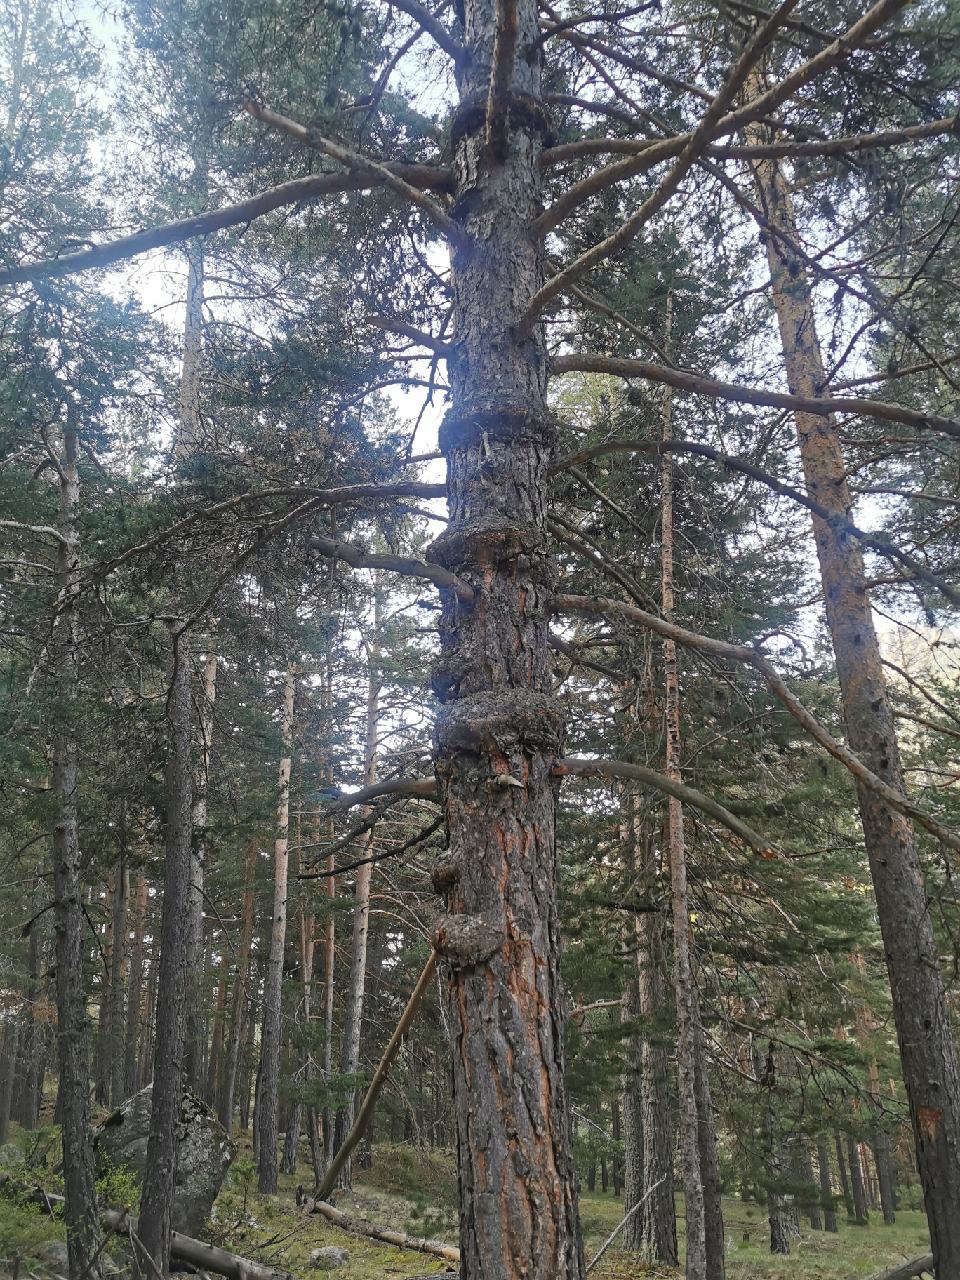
[
  {"x": 359, "y": 559},
  {"x": 751, "y": 54},
  {"x": 876, "y": 541},
  {"x": 774, "y": 682},
  {"x": 432, "y": 26},
  {"x": 356, "y": 163},
  {"x": 425, "y": 788},
  {"x": 696, "y": 384},
  {"x": 585, "y": 768},
  {"x": 389, "y": 325}
]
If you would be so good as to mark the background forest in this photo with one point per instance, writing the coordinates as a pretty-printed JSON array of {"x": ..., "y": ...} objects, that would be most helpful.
[{"x": 480, "y": 699}]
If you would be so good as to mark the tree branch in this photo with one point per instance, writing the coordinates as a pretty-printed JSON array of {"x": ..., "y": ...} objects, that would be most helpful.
[
  {"x": 585, "y": 768},
  {"x": 411, "y": 568},
  {"x": 231, "y": 215},
  {"x": 753, "y": 658},
  {"x": 356, "y": 163},
  {"x": 696, "y": 384},
  {"x": 876, "y": 541},
  {"x": 432, "y": 26}
]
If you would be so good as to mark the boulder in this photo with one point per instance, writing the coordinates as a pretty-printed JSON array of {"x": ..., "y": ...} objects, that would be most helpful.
[
  {"x": 204, "y": 1153},
  {"x": 330, "y": 1257}
]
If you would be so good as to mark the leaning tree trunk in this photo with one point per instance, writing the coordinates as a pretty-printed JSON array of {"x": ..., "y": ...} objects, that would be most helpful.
[
  {"x": 500, "y": 730},
  {"x": 156, "y": 1203},
  {"x": 83, "y": 1231},
  {"x": 268, "y": 1097},
  {"x": 927, "y": 1049},
  {"x": 353, "y": 1017}
]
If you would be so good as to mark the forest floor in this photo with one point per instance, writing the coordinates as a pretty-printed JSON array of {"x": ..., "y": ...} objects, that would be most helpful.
[{"x": 415, "y": 1192}]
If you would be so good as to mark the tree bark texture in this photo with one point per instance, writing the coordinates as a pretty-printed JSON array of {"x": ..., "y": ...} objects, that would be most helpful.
[
  {"x": 196, "y": 968},
  {"x": 156, "y": 1203},
  {"x": 500, "y": 729},
  {"x": 135, "y": 1014},
  {"x": 269, "y": 1095},
  {"x": 927, "y": 1049},
  {"x": 83, "y": 1232},
  {"x": 118, "y": 975},
  {"x": 858, "y": 1192}
]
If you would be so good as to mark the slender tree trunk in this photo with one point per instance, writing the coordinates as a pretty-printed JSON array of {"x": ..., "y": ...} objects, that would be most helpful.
[
  {"x": 215, "y": 1061},
  {"x": 239, "y": 997},
  {"x": 83, "y": 1230},
  {"x": 688, "y": 1009},
  {"x": 500, "y": 730},
  {"x": 105, "y": 965},
  {"x": 885, "y": 1176},
  {"x": 814, "y": 1211},
  {"x": 353, "y": 1017},
  {"x": 31, "y": 1090},
  {"x": 927, "y": 1049},
  {"x": 858, "y": 1192},
  {"x": 709, "y": 1165},
  {"x": 149, "y": 1023},
  {"x": 196, "y": 969},
  {"x": 844, "y": 1179},
  {"x": 156, "y": 1203},
  {"x": 268, "y": 1098},
  {"x": 118, "y": 974},
  {"x": 8, "y": 1074},
  {"x": 135, "y": 1019},
  {"x": 826, "y": 1187}
]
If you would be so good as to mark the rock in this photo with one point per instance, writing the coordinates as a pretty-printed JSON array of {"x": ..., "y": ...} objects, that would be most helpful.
[
  {"x": 54, "y": 1256},
  {"x": 204, "y": 1153},
  {"x": 330, "y": 1257}
]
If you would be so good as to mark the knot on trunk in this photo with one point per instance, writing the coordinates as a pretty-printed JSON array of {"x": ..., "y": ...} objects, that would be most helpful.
[
  {"x": 486, "y": 542},
  {"x": 445, "y": 875},
  {"x": 479, "y": 424},
  {"x": 524, "y": 112},
  {"x": 502, "y": 722},
  {"x": 465, "y": 941}
]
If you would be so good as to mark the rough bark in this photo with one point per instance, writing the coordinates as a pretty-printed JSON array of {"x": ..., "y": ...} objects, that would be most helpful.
[
  {"x": 885, "y": 1176},
  {"x": 844, "y": 1177},
  {"x": 8, "y": 1073},
  {"x": 709, "y": 1164},
  {"x": 31, "y": 1085},
  {"x": 927, "y": 1049},
  {"x": 105, "y": 967},
  {"x": 500, "y": 729},
  {"x": 826, "y": 1187},
  {"x": 196, "y": 968},
  {"x": 83, "y": 1233},
  {"x": 268, "y": 1096},
  {"x": 353, "y": 1014},
  {"x": 155, "y": 1223},
  {"x": 811, "y": 1199}
]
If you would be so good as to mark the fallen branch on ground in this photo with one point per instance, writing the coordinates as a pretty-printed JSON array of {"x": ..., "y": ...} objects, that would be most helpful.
[
  {"x": 906, "y": 1270},
  {"x": 358, "y": 1226}
]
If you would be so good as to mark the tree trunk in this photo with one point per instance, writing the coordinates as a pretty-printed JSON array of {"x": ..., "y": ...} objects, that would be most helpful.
[
  {"x": 31, "y": 1089},
  {"x": 136, "y": 1022},
  {"x": 858, "y": 1192},
  {"x": 927, "y": 1049},
  {"x": 105, "y": 965},
  {"x": 688, "y": 1010},
  {"x": 353, "y": 1016},
  {"x": 500, "y": 729},
  {"x": 118, "y": 973},
  {"x": 885, "y": 1177},
  {"x": 8, "y": 1074},
  {"x": 812, "y": 1201},
  {"x": 197, "y": 998},
  {"x": 83, "y": 1231},
  {"x": 709, "y": 1165},
  {"x": 268, "y": 1098},
  {"x": 215, "y": 1061},
  {"x": 844, "y": 1179},
  {"x": 239, "y": 997},
  {"x": 826, "y": 1187},
  {"x": 156, "y": 1203}
]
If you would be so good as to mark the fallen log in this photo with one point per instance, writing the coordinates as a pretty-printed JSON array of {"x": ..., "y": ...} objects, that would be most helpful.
[
  {"x": 195, "y": 1253},
  {"x": 360, "y": 1227},
  {"x": 907, "y": 1270}
]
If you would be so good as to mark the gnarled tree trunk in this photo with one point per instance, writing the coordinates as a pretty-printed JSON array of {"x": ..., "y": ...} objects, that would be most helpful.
[{"x": 500, "y": 729}]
